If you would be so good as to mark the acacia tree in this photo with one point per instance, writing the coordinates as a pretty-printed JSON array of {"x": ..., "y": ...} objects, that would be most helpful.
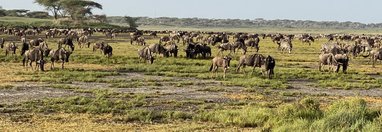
[
  {"x": 54, "y": 6},
  {"x": 78, "y": 9},
  {"x": 132, "y": 22}
]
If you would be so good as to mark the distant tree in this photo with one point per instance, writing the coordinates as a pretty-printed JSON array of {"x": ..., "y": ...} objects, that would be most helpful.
[
  {"x": 100, "y": 18},
  {"x": 16, "y": 12},
  {"x": 54, "y": 6},
  {"x": 38, "y": 14},
  {"x": 132, "y": 22},
  {"x": 78, "y": 9},
  {"x": 2, "y": 12}
]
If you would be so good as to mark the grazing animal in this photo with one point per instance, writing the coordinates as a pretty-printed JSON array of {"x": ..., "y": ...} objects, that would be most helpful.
[
  {"x": 223, "y": 62},
  {"x": 2, "y": 42},
  {"x": 99, "y": 46},
  {"x": 107, "y": 50},
  {"x": 10, "y": 48},
  {"x": 255, "y": 60},
  {"x": 59, "y": 55},
  {"x": 145, "y": 53},
  {"x": 192, "y": 50},
  {"x": 34, "y": 55},
  {"x": 332, "y": 60},
  {"x": 270, "y": 64}
]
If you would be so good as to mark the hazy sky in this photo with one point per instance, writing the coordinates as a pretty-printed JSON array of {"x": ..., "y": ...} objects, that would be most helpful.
[{"x": 366, "y": 11}]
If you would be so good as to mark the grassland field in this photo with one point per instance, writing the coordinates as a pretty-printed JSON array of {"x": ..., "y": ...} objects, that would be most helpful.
[{"x": 122, "y": 93}]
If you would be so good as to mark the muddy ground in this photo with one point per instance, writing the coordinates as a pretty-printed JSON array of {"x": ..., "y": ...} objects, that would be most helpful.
[{"x": 171, "y": 89}]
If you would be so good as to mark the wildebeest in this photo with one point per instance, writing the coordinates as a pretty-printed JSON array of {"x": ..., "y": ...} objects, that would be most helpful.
[
  {"x": 83, "y": 40},
  {"x": 35, "y": 42},
  {"x": 193, "y": 50},
  {"x": 34, "y": 55},
  {"x": 158, "y": 49},
  {"x": 98, "y": 45},
  {"x": 107, "y": 50},
  {"x": 223, "y": 62},
  {"x": 59, "y": 55},
  {"x": 326, "y": 59},
  {"x": 66, "y": 41},
  {"x": 255, "y": 60},
  {"x": 172, "y": 49},
  {"x": 145, "y": 53},
  {"x": 376, "y": 55},
  {"x": 2, "y": 42},
  {"x": 341, "y": 60},
  {"x": 232, "y": 47},
  {"x": 332, "y": 60},
  {"x": 164, "y": 39},
  {"x": 10, "y": 48},
  {"x": 24, "y": 48},
  {"x": 254, "y": 43},
  {"x": 286, "y": 45},
  {"x": 270, "y": 64}
]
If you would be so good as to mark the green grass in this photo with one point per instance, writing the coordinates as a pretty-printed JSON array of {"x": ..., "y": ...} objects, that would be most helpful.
[{"x": 252, "y": 101}]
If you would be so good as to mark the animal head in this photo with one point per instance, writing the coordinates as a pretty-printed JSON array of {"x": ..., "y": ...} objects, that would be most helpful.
[
  {"x": 227, "y": 61},
  {"x": 41, "y": 64}
]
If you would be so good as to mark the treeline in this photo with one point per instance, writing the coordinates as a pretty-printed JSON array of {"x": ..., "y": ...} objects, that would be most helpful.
[
  {"x": 202, "y": 22},
  {"x": 24, "y": 13}
]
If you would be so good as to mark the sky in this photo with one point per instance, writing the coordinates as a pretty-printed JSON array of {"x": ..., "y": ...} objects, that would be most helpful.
[{"x": 365, "y": 11}]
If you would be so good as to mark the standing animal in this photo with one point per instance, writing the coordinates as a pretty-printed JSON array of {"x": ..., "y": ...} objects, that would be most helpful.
[
  {"x": 341, "y": 60},
  {"x": 145, "y": 53},
  {"x": 255, "y": 60},
  {"x": 158, "y": 49},
  {"x": 2, "y": 42},
  {"x": 98, "y": 45},
  {"x": 59, "y": 55},
  {"x": 286, "y": 45},
  {"x": 172, "y": 49},
  {"x": 223, "y": 62},
  {"x": 10, "y": 48},
  {"x": 326, "y": 59},
  {"x": 254, "y": 43},
  {"x": 164, "y": 39},
  {"x": 24, "y": 48},
  {"x": 83, "y": 40},
  {"x": 193, "y": 50},
  {"x": 232, "y": 47},
  {"x": 34, "y": 55},
  {"x": 376, "y": 55},
  {"x": 67, "y": 41},
  {"x": 141, "y": 41},
  {"x": 35, "y": 42},
  {"x": 107, "y": 50},
  {"x": 270, "y": 64}
]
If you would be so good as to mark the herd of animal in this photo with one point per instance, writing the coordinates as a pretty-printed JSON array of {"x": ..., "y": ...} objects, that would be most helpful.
[{"x": 334, "y": 54}]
